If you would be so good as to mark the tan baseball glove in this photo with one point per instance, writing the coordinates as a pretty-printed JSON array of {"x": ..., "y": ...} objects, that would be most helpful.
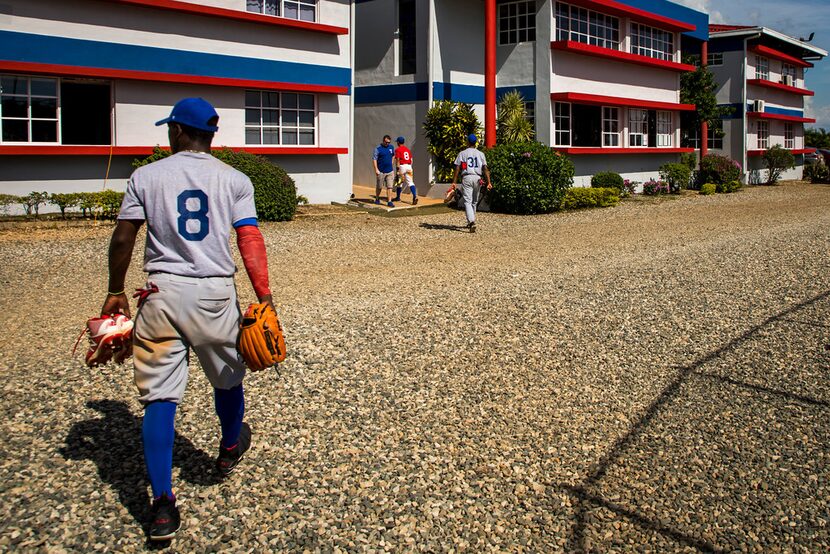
[{"x": 261, "y": 342}]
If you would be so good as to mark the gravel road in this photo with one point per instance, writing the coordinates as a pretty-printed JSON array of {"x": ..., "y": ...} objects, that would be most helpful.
[{"x": 651, "y": 377}]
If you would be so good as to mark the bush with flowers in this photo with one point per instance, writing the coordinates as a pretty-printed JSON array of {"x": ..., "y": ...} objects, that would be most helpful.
[
  {"x": 718, "y": 169},
  {"x": 629, "y": 188},
  {"x": 653, "y": 187},
  {"x": 528, "y": 178}
]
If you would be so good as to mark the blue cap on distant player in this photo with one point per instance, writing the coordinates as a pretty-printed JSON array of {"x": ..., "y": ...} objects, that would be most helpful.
[
  {"x": 193, "y": 112},
  {"x": 472, "y": 138},
  {"x": 400, "y": 140}
]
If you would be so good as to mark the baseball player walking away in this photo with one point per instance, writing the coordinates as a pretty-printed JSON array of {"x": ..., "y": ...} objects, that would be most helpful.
[
  {"x": 190, "y": 202},
  {"x": 471, "y": 165},
  {"x": 403, "y": 159},
  {"x": 384, "y": 169}
]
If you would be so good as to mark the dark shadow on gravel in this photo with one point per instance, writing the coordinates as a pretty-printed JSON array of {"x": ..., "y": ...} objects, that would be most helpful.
[
  {"x": 113, "y": 442},
  {"x": 441, "y": 227},
  {"x": 585, "y": 495}
]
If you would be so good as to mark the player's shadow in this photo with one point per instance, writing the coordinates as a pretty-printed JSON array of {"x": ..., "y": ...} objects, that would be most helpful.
[
  {"x": 113, "y": 442},
  {"x": 442, "y": 227}
]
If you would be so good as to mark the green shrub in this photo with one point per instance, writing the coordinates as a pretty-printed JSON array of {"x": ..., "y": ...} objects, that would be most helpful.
[
  {"x": 608, "y": 179},
  {"x": 580, "y": 197},
  {"x": 275, "y": 194},
  {"x": 528, "y": 178},
  {"x": 653, "y": 187},
  {"x": 677, "y": 175},
  {"x": 715, "y": 168},
  {"x": 777, "y": 160},
  {"x": 817, "y": 173},
  {"x": 31, "y": 202},
  {"x": 64, "y": 201},
  {"x": 512, "y": 124},
  {"x": 109, "y": 202},
  {"x": 7, "y": 201},
  {"x": 689, "y": 159},
  {"x": 708, "y": 188},
  {"x": 728, "y": 187},
  {"x": 447, "y": 126}
]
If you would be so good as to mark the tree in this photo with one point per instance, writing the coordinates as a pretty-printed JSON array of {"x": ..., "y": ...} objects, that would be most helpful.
[
  {"x": 777, "y": 159},
  {"x": 512, "y": 124},
  {"x": 447, "y": 126},
  {"x": 817, "y": 138},
  {"x": 64, "y": 201},
  {"x": 699, "y": 87}
]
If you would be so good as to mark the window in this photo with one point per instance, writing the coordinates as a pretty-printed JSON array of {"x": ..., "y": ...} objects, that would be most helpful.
[
  {"x": 589, "y": 27},
  {"x": 530, "y": 113},
  {"x": 763, "y": 135},
  {"x": 517, "y": 22},
  {"x": 789, "y": 136},
  {"x": 637, "y": 127},
  {"x": 651, "y": 42},
  {"x": 715, "y": 135},
  {"x": 789, "y": 69},
  {"x": 562, "y": 124},
  {"x": 407, "y": 45},
  {"x": 28, "y": 109},
  {"x": 284, "y": 118},
  {"x": 304, "y": 10},
  {"x": 610, "y": 127},
  {"x": 665, "y": 130},
  {"x": 761, "y": 68},
  {"x": 714, "y": 58}
]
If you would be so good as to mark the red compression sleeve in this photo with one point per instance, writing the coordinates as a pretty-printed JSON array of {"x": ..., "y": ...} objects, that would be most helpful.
[{"x": 252, "y": 248}]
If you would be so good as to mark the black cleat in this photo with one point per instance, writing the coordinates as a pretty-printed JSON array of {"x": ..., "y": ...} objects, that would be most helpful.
[
  {"x": 229, "y": 458},
  {"x": 472, "y": 227},
  {"x": 166, "y": 519}
]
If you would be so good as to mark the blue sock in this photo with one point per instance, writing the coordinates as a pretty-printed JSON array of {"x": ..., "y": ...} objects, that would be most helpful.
[
  {"x": 158, "y": 432},
  {"x": 412, "y": 188},
  {"x": 230, "y": 407}
]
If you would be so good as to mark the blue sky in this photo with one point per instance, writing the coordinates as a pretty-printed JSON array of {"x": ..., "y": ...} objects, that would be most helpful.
[{"x": 796, "y": 18}]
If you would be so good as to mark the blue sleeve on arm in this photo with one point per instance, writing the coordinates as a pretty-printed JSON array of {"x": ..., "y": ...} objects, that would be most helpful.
[{"x": 246, "y": 221}]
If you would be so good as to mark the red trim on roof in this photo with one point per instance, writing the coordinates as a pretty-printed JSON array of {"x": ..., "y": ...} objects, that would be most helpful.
[
  {"x": 597, "y": 100},
  {"x": 778, "y": 55},
  {"x": 575, "y": 150},
  {"x": 78, "y": 71},
  {"x": 780, "y": 86},
  {"x": 720, "y": 28},
  {"x": 753, "y": 153},
  {"x": 239, "y": 15},
  {"x": 608, "y": 53},
  {"x": 622, "y": 10},
  {"x": 65, "y": 150},
  {"x": 781, "y": 117}
]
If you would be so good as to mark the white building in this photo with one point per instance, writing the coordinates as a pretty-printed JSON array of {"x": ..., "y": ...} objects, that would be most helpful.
[
  {"x": 602, "y": 77},
  {"x": 84, "y": 81},
  {"x": 761, "y": 75}
]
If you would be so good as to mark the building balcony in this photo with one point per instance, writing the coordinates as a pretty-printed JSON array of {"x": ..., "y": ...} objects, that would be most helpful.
[
  {"x": 778, "y": 55},
  {"x": 597, "y": 100},
  {"x": 780, "y": 117},
  {"x": 780, "y": 86},
  {"x": 617, "y": 55}
]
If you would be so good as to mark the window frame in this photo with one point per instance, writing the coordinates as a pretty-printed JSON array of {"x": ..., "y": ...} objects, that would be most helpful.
[
  {"x": 280, "y": 8},
  {"x": 30, "y": 120},
  {"x": 762, "y": 135},
  {"x": 762, "y": 68},
  {"x": 644, "y": 41},
  {"x": 562, "y": 124},
  {"x": 789, "y": 69},
  {"x": 513, "y": 33},
  {"x": 714, "y": 58},
  {"x": 641, "y": 125},
  {"x": 665, "y": 122},
  {"x": 789, "y": 136},
  {"x": 564, "y": 12},
  {"x": 280, "y": 128},
  {"x": 714, "y": 141},
  {"x": 611, "y": 127}
]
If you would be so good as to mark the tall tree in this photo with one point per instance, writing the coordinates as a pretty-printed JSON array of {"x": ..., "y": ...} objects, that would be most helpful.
[
  {"x": 699, "y": 87},
  {"x": 817, "y": 138}
]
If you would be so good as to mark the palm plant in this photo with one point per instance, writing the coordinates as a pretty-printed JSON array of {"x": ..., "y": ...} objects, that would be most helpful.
[{"x": 512, "y": 124}]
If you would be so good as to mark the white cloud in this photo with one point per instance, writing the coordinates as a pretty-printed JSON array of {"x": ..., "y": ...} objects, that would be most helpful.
[{"x": 704, "y": 6}]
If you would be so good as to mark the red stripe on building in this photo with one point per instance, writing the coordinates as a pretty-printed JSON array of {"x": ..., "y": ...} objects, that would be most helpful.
[
  {"x": 576, "y": 150},
  {"x": 755, "y": 153},
  {"x": 608, "y": 53},
  {"x": 780, "y": 86},
  {"x": 239, "y": 15},
  {"x": 781, "y": 117},
  {"x": 597, "y": 100},
  {"x": 79, "y": 71},
  {"x": 777, "y": 54}
]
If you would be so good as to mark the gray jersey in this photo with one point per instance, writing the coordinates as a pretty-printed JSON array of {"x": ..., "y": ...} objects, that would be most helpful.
[
  {"x": 190, "y": 201},
  {"x": 474, "y": 159}
]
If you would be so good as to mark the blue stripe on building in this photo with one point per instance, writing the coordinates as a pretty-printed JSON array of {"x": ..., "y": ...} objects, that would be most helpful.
[
  {"x": 675, "y": 11},
  {"x": 737, "y": 112},
  {"x": 25, "y": 47},
  {"x": 417, "y": 92},
  {"x": 780, "y": 111}
]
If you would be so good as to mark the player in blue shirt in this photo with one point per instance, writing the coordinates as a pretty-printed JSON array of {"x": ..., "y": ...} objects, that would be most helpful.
[{"x": 384, "y": 169}]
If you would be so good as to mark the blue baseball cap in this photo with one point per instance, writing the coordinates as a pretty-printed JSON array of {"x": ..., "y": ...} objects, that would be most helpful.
[
  {"x": 400, "y": 140},
  {"x": 193, "y": 112},
  {"x": 472, "y": 138}
]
